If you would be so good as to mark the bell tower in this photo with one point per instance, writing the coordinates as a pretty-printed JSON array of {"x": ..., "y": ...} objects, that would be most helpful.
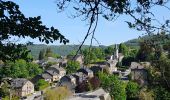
[{"x": 116, "y": 53}]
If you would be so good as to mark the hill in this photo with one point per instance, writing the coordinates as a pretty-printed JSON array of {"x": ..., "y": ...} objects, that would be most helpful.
[
  {"x": 59, "y": 49},
  {"x": 162, "y": 39}
]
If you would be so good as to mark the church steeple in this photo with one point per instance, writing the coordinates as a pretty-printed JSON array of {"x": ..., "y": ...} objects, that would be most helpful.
[{"x": 116, "y": 53}]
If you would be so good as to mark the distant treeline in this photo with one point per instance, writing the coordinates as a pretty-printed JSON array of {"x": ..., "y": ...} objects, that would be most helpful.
[
  {"x": 66, "y": 49},
  {"x": 59, "y": 49}
]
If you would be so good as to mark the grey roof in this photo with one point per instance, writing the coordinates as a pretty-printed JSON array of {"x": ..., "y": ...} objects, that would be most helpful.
[
  {"x": 57, "y": 67},
  {"x": 46, "y": 76},
  {"x": 18, "y": 82},
  {"x": 136, "y": 65},
  {"x": 87, "y": 70},
  {"x": 70, "y": 76},
  {"x": 112, "y": 61},
  {"x": 77, "y": 56},
  {"x": 79, "y": 74},
  {"x": 92, "y": 95},
  {"x": 52, "y": 72}
]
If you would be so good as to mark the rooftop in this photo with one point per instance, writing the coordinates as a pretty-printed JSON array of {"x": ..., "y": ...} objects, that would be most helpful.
[{"x": 18, "y": 82}]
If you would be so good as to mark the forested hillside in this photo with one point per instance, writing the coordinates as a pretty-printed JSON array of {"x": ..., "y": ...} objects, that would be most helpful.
[
  {"x": 136, "y": 42},
  {"x": 59, "y": 49}
]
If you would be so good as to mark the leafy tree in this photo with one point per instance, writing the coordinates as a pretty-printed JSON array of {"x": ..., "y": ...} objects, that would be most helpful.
[
  {"x": 132, "y": 90},
  {"x": 93, "y": 55},
  {"x": 33, "y": 69},
  {"x": 20, "y": 69},
  {"x": 133, "y": 52},
  {"x": 144, "y": 52},
  {"x": 146, "y": 94},
  {"x": 4, "y": 90},
  {"x": 83, "y": 87},
  {"x": 72, "y": 66},
  {"x": 41, "y": 54},
  {"x": 41, "y": 84},
  {"x": 59, "y": 93},
  {"x": 72, "y": 53},
  {"x": 163, "y": 66},
  {"x": 14, "y": 23},
  {"x": 126, "y": 61},
  {"x": 109, "y": 50},
  {"x": 94, "y": 82},
  {"x": 123, "y": 49},
  {"x": 161, "y": 93},
  {"x": 49, "y": 52},
  {"x": 113, "y": 85}
]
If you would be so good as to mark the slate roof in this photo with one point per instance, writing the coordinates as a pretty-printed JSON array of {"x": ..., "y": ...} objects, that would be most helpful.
[
  {"x": 92, "y": 95},
  {"x": 46, "y": 76},
  {"x": 18, "y": 82},
  {"x": 136, "y": 65},
  {"x": 112, "y": 61},
  {"x": 57, "y": 67},
  {"x": 78, "y": 55},
  {"x": 85, "y": 70},
  {"x": 52, "y": 72}
]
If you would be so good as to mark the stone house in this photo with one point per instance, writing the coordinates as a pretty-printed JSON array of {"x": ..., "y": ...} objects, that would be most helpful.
[
  {"x": 54, "y": 75},
  {"x": 22, "y": 87},
  {"x": 87, "y": 72},
  {"x": 111, "y": 64},
  {"x": 79, "y": 76},
  {"x": 79, "y": 58},
  {"x": 45, "y": 76},
  {"x": 61, "y": 71},
  {"x": 139, "y": 72},
  {"x": 68, "y": 81}
]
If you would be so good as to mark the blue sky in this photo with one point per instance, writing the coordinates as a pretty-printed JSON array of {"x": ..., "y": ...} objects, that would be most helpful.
[{"x": 74, "y": 29}]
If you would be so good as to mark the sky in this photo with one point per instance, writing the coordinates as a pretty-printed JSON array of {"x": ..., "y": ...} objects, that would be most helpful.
[{"x": 107, "y": 32}]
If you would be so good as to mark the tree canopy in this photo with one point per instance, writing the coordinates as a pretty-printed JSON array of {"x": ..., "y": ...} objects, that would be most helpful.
[
  {"x": 72, "y": 66},
  {"x": 20, "y": 69},
  {"x": 14, "y": 23}
]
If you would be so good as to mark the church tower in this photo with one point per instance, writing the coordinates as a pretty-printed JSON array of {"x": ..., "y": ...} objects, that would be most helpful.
[{"x": 116, "y": 53}]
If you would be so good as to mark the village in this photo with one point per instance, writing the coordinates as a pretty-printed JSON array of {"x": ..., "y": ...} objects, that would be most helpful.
[
  {"x": 84, "y": 50},
  {"x": 57, "y": 76}
]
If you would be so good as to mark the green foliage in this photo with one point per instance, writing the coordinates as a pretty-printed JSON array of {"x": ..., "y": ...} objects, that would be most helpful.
[
  {"x": 72, "y": 53},
  {"x": 109, "y": 50},
  {"x": 164, "y": 67},
  {"x": 62, "y": 50},
  {"x": 126, "y": 61},
  {"x": 132, "y": 90},
  {"x": 145, "y": 52},
  {"x": 161, "y": 93},
  {"x": 113, "y": 85},
  {"x": 20, "y": 69},
  {"x": 59, "y": 93},
  {"x": 72, "y": 66},
  {"x": 49, "y": 52},
  {"x": 42, "y": 54},
  {"x": 93, "y": 55},
  {"x": 146, "y": 94},
  {"x": 41, "y": 84},
  {"x": 4, "y": 90},
  {"x": 123, "y": 49},
  {"x": 33, "y": 69},
  {"x": 14, "y": 23}
]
